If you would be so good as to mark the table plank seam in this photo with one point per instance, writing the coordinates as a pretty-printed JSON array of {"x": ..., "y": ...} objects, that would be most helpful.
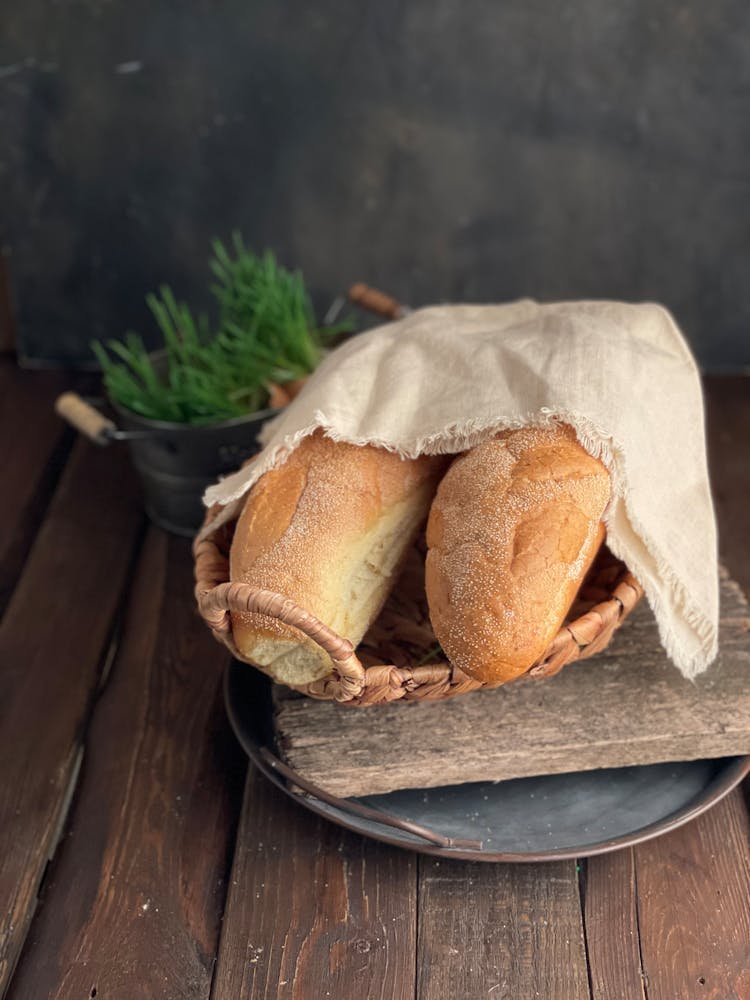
[
  {"x": 581, "y": 872},
  {"x": 112, "y": 642},
  {"x": 32, "y": 518},
  {"x": 419, "y": 861},
  {"x": 226, "y": 881},
  {"x": 637, "y": 912}
]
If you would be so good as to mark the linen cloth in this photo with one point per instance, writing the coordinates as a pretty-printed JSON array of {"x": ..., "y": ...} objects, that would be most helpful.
[{"x": 445, "y": 378}]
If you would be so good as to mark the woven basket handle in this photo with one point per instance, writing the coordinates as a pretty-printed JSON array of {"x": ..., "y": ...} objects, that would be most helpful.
[{"x": 215, "y": 606}]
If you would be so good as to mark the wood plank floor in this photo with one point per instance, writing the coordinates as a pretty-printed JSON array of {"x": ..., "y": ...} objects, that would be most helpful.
[{"x": 140, "y": 858}]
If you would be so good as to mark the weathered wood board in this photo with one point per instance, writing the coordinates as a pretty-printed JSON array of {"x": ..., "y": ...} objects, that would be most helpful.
[{"x": 628, "y": 705}]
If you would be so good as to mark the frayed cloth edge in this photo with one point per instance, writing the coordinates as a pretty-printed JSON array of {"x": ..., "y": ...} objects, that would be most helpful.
[{"x": 460, "y": 437}]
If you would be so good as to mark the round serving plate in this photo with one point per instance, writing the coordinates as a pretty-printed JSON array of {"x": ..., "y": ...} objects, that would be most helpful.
[{"x": 528, "y": 819}]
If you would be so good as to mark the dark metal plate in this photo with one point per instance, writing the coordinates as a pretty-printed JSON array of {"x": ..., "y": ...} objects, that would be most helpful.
[{"x": 528, "y": 819}]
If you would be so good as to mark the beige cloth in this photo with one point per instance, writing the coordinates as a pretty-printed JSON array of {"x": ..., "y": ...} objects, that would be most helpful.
[{"x": 444, "y": 378}]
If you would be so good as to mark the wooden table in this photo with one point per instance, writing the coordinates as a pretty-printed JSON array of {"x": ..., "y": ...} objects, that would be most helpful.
[{"x": 139, "y": 857}]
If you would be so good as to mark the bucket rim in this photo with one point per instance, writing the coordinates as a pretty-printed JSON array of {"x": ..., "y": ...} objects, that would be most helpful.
[{"x": 175, "y": 426}]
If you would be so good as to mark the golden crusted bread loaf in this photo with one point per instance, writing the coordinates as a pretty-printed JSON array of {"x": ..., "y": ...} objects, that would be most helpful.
[
  {"x": 328, "y": 529},
  {"x": 513, "y": 529}
]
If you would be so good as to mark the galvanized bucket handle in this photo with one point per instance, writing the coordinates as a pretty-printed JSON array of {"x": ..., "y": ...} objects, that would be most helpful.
[
  {"x": 377, "y": 302},
  {"x": 86, "y": 418}
]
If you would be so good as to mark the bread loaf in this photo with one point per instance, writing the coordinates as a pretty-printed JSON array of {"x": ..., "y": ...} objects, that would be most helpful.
[
  {"x": 513, "y": 529},
  {"x": 327, "y": 529}
]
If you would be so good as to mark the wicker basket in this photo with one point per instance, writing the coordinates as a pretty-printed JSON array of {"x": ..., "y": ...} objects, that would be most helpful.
[{"x": 399, "y": 657}]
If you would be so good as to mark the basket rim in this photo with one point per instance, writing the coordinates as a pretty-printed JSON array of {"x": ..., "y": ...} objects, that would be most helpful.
[{"x": 352, "y": 683}]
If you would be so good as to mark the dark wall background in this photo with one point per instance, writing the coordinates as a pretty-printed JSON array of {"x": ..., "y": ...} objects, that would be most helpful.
[{"x": 442, "y": 149}]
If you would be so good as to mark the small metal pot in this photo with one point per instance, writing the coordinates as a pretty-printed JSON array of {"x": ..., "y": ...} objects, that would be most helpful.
[{"x": 176, "y": 462}]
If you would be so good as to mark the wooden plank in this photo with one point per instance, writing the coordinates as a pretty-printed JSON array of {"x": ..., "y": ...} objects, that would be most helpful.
[
  {"x": 728, "y": 432},
  {"x": 611, "y": 926},
  {"x": 728, "y": 427},
  {"x": 132, "y": 906},
  {"x": 314, "y": 911},
  {"x": 52, "y": 640},
  {"x": 34, "y": 445},
  {"x": 505, "y": 932},
  {"x": 694, "y": 907},
  {"x": 581, "y": 719}
]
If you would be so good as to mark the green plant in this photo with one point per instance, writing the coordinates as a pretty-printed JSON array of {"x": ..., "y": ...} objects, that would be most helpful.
[{"x": 265, "y": 333}]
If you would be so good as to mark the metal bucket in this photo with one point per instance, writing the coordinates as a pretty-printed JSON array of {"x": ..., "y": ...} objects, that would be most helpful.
[{"x": 176, "y": 462}]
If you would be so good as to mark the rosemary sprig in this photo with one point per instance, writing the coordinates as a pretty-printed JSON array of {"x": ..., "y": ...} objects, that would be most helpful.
[{"x": 265, "y": 332}]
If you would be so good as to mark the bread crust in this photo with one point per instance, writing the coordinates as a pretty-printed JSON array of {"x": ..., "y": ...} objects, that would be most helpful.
[
  {"x": 327, "y": 529},
  {"x": 512, "y": 531}
]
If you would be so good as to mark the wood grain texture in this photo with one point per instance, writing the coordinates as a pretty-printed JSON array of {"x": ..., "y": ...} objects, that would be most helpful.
[
  {"x": 611, "y": 925},
  {"x": 34, "y": 444},
  {"x": 133, "y": 903},
  {"x": 52, "y": 640},
  {"x": 581, "y": 719},
  {"x": 728, "y": 431},
  {"x": 314, "y": 911},
  {"x": 507, "y": 932},
  {"x": 694, "y": 907}
]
